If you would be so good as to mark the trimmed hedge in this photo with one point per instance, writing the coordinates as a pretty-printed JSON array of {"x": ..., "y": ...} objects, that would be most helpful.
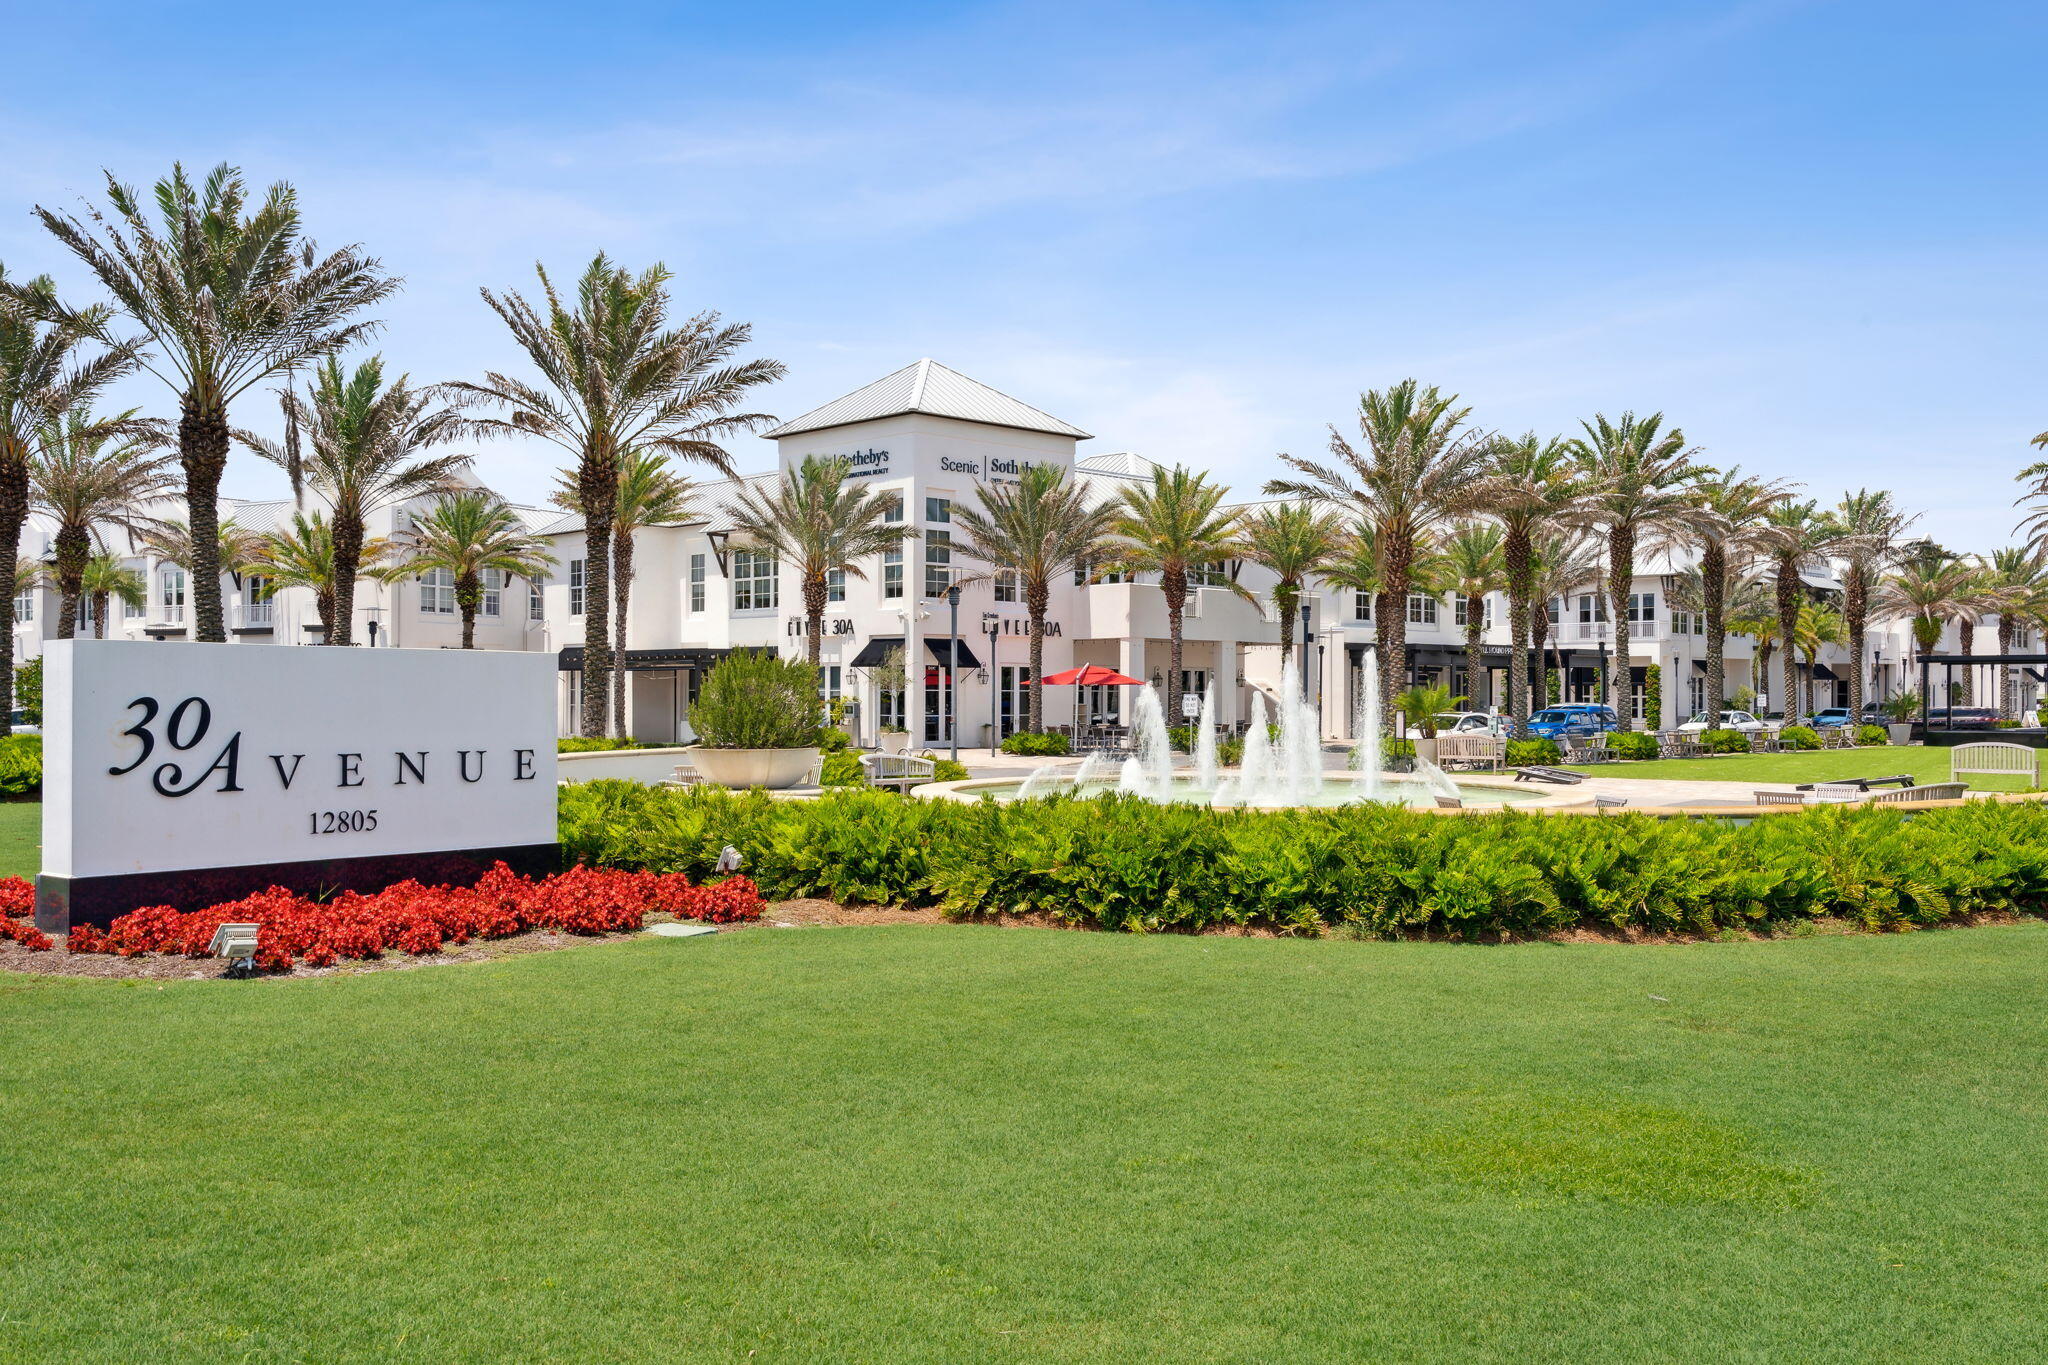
[
  {"x": 1034, "y": 744},
  {"x": 1872, "y": 736},
  {"x": 1118, "y": 863},
  {"x": 577, "y": 744},
  {"x": 1799, "y": 737},
  {"x": 1523, "y": 753},
  {"x": 1632, "y": 744},
  {"x": 1724, "y": 741}
]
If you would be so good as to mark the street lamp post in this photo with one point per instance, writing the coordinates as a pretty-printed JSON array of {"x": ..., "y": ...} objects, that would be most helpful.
[
  {"x": 953, "y": 667},
  {"x": 989, "y": 622}
]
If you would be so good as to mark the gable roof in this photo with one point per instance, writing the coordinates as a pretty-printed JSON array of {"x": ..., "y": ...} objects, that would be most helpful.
[{"x": 928, "y": 387}]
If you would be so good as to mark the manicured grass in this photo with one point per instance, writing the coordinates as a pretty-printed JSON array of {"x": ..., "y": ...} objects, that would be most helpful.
[
  {"x": 1927, "y": 765},
  {"x": 21, "y": 839},
  {"x": 962, "y": 1143}
]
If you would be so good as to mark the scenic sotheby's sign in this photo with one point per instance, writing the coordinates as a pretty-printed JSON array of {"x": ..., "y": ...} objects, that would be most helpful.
[{"x": 187, "y": 774}]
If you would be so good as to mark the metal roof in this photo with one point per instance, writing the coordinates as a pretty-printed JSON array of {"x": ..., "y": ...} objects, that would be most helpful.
[{"x": 928, "y": 387}]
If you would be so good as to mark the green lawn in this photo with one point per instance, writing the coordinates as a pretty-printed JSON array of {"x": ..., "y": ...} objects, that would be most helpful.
[
  {"x": 1815, "y": 765},
  {"x": 21, "y": 838},
  {"x": 955, "y": 1144}
]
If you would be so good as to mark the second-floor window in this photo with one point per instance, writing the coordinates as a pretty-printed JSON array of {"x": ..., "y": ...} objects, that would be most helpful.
[
  {"x": 257, "y": 589},
  {"x": 171, "y": 593},
  {"x": 437, "y": 592},
  {"x": 494, "y": 591},
  {"x": 754, "y": 581},
  {"x": 25, "y": 605},
  {"x": 938, "y": 562},
  {"x": 1210, "y": 575},
  {"x": 1592, "y": 607},
  {"x": 575, "y": 587},
  {"x": 892, "y": 572},
  {"x": 1361, "y": 606},
  {"x": 1006, "y": 585},
  {"x": 1421, "y": 609},
  {"x": 536, "y": 605},
  {"x": 835, "y": 585},
  {"x": 1642, "y": 608},
  {"x": 1459, "y": 614},
  {"x": 697, "y": 572}
]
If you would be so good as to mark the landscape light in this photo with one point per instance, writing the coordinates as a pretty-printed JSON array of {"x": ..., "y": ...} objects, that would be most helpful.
[
  {"x": 729, "y": 861},
  {"x": 236, "y": 943}
]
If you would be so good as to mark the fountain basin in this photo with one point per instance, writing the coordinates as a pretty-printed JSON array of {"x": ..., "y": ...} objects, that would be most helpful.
[{"x": 1341, "y": 789}]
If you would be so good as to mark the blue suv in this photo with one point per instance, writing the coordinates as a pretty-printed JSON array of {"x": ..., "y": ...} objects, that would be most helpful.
[{"x": 1572, "y": 718}]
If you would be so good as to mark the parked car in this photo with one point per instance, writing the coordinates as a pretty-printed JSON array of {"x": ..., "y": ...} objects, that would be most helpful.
[
  {"x": 1730, "y": 720},
  {"x": 1573, "y": 718},
  {"x": 1961, "y": 718},
  {"x": 1470, "y": 723},
  {"x": 1831, "y": 717},
  {"x": 19, "y": 724}
]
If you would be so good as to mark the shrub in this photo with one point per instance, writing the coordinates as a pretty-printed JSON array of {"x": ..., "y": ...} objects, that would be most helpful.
[
  {"x": 946, "y": 770},
  {"x": 833, "y": 740},
  {"x": 1724, "y": 741},
  {"x": 1420, "y": 706},
  {"x": 842, "y": 769},
  {"x": 28, "y": 691},
  {"x": 1902, "y": 708},
  {"x": 1230, "y": 752},
  {"x": 1632, "y": 744},
  {"x": 1524, "y": 752},
  {"x": 1872, "y": 735},
  {"x": 1799, "y": 737},
  {"x": 1031, "y": 742},
  {"x": 752, "y": 699},
  {"x": 2005, "y": 725},
  {"x": 21, "y": 766},
  {"x": 578, "y": 744}
]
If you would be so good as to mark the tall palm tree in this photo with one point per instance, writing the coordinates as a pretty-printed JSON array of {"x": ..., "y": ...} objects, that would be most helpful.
[
  {"x": 229, "y": 301},
  {"x": 820, "y": 521},
  {"x": 1039, "y": 527},
  {"x": 1419, "y": 468},
  {"x": 471, "y": 534},
  {"x": 43, "y": 375},
  {"x": 1174, "y": 527},
  {"x": 303, "y": 557},
  {"x": 650, "y": 494},
  {"x": 1728, "y": 508},
  {"x": 1817, "y": 625},
  {"x": 105, "y": 580},
  {"x": 616, "y": 377},
  {"x": 1792, "y": 538},
  {"x": 1752, "y": 611},
  {"x": 1639, "y": 478},
  {"x": 1530, "y": 487},
  {"x": 361, "y": 446},
  {"x": 1870, "y": 527},
  {"x": 1473, "y": 567},
  {"x": 85, "y": 478},
  {"x": 2015, "y": 586},
  {"x": 232, "y": 549},
  {"x": 1928, "y": 587},
  {"x": 1292, "y": 541},
  {"x": 1562, "y": 562}
]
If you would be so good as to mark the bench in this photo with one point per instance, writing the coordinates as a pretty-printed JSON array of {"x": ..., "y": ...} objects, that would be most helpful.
[
  {"x": 901, "y": 771},
  {"x": 1996, "y": 758},
  {"x": 1489, "y": 752}
]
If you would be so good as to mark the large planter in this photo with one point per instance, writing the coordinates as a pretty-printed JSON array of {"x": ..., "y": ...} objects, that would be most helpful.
[
  {"x": 894, "y": 741},
  {"x": 1425, "y": 748},
  {"x": 743, "y": 768},
  {"x": 1901, "y": 734}
]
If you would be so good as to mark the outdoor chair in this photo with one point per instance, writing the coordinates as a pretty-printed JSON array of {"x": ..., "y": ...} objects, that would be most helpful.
[
  {"x": 1449, "y": 803},
  {"x": 1933, "y": 791},
  {"x": 1837, "y": 737},
  {"x": 1586, "y": 749},
  {"x": 1604, "y": 802},
  {"x": 901, "y": 771},
  {"x": 1781, "y": 798},
  {"x": 684, "y": 775},
  {"x": 1996, "y": 758},
  {"x": 1677, "y": 744},
  {"x": 1862, "y": 783},
  {"x": 1765, "y": 742}
]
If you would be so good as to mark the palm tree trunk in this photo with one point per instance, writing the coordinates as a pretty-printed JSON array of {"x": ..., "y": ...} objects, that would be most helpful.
[
  {"x": 1290, "y": 609},
  {"x": 100, "y": 604},
  {"x": 1037, "y": 595},
  {"x": 203, "y": 454},
  {"x": 597, "y": 493},
  {"x": 1621, "y": 576},
  {"x": 1475, "y": 619},
  {"x": 1391, "y": 629},
  {"x": 622, "y": 593},
  {"x": 1788, "y": 630},
  {"x": 1855, "y": 607},
  {"x": 348, "y": 557},
  {"x": 1515, "y": 551},
  {"x": 1713, "y": 604},
  {"x": 1175, "y": 583},
  {"x": 74, "y": 549},
  {"x": 1539, "y": 638},
  {"x": 323, "y": 607},
  {"x": 2005, "y": 699},
  {"x": 814, "y": 617},
  {"x": 1966, "y": 637},
  {"x": 469, "y": 595},
  {"x": 13, "y": 516}
]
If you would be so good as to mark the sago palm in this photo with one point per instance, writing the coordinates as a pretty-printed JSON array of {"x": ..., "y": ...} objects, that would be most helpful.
[
  {"x": 1175, "y": 526},
  {"x": 362, "y": 445},
  {"x": 107, "y": 580},
  {"x": 470, "y": 535},
  {"x": 1870, "y": 526},
  {"x": 1639, "y": 477},
  {"x": 1474, "y": 566},
  {"x": 229, "y": 298},
  {"x": 86, "y": 478},
  {"x": 1723, "y": 526},
  {"x": 1530, "y": 487},
  {"x": 1291, "y": 541},
  {"x": 1418, "y": 468},
  {"x": 1040, "y": 527},
  {"x": 615, "y": 376},
  {"x": 818, "y": 520},
  {"x": 1793, "y": 538}
]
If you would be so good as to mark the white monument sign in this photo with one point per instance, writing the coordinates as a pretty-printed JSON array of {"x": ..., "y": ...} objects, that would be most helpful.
[{"x": 189, "y": 774}]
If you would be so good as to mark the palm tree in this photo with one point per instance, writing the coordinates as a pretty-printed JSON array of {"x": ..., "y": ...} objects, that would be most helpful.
[
  {"x": 42, "y": 377},
  {"x": 1638, "y": 478},
  {"x": 229, "y": 301},
  {"x": 2015, "y": 586},
  {"x": 615, "y": 377},
  {"x": 1816, "y": 626},
  {"x": 1792, "y": 538},
  {"x": 1561, "y": 563},
  {"x": 1529, "y": 488},
  {"x": 1419, "y": 468},
  {"x": 1173, "y": 527},
  {"x": 1870, "y": 528},
  {"x": 106, "y": 579},
  {"x": 1291, "y": 541},
  {"x": 471, "y": 534},
  {"x": 303, "y": 557},
  {"x": 1039, "y": 527},
  {"x": 650, "y": 494},
  {"x": 85, "y": 477},
  {"x": 1928, "y": 587},
  {"x": 363, "y": 443},
  {"x": 232, "y": 548},
  {"x": 820, "y": 521},
  {"x": 1727, "y": 511},
  {"x": 1473, "y": 567}
]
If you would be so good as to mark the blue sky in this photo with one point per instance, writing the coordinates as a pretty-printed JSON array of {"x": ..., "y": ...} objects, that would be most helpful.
[{"x": 1810, "y": 233}]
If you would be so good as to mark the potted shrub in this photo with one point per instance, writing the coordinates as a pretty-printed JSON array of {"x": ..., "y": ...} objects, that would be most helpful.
[
  {"x": 758, "y": 721},
  {"x": 894, "y": 739},
  {"x": 1900, "y": 711},
  {"x": 1419, "y": 707}
]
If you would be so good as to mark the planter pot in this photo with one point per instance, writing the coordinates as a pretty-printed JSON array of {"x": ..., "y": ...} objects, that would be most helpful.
[
  {"x": 1901, "y": 734},
  {"x": 743, "y": 768},
  {"x": 1425, "y": 748},
  {"x": 894, "y": 741}
]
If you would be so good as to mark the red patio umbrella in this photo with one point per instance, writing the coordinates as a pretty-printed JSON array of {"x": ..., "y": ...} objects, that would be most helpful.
[{"x": 1090, "y": 675}]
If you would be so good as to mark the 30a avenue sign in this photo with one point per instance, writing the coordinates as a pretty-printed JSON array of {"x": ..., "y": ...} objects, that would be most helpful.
[{"x": 182, "y": 774}]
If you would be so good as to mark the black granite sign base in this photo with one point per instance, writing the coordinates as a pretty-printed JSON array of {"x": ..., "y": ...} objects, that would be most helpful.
[{"x": 64, "y": 901}]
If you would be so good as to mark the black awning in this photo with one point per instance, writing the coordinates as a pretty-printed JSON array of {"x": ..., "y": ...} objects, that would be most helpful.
[
  {"x": 1699, "y": 666},
  {"x": 942, "y": 648},
  {"x": 2037, "y": 675},
  {"x": 570, "y": 660},
  {"x": 1823, "y": 672},
  {"x": 875, "y": 651}
]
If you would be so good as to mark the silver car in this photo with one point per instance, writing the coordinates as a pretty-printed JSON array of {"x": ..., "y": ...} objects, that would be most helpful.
[{"x": 1730, "y": 720}]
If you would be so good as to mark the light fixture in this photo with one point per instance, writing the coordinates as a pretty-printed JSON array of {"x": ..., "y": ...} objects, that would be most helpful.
[{"x": 236, "y": 943}]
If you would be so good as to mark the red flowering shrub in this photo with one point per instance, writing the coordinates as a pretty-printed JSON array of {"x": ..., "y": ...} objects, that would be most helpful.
[
  {"x": 420, "y": 919},
  {"x": 17, "y": 912}
]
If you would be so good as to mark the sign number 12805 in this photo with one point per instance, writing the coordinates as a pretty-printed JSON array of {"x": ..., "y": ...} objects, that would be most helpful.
[{"x": 342, "y": 821}]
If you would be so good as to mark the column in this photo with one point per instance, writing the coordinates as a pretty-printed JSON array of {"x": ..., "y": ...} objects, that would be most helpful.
[{"x": 1226, "y": 681}]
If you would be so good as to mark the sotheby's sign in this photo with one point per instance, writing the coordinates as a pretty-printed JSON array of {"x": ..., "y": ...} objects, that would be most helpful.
[{"x": 186, "y": 774}]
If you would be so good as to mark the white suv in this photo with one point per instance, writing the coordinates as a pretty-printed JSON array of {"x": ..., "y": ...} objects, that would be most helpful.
[{"x": 1470, "y": 723}]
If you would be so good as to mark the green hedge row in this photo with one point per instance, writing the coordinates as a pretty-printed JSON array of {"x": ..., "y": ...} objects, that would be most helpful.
[
  {"x": 1116, "y": 863},
  {"x": 21, "y": 765}
]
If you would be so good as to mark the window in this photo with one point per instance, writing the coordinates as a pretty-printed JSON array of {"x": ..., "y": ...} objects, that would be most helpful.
[
  {"x": 828, "y": 682},
  {"x": 437, "y": 592},
  {"x": 536, "y": 605},
  {"x": 1554, "y": 608},
  {"x": 575, "y": 587},
  {"x": 132, "y": 610},
  {"x": 1592, "y": 607},
  {"x": 892, "y": 572},
  {"x": 171, "y": 594},
  {"x": 1214, "y": 575},
  {"x": 1006, "y": 585},
  {"x": 754, "y": 581},
  {"x": 25, "y": 605},
  {"x": 938, "y": 509},
  {"x": 494, "y": 591},
  {"x": 894, "y": 509},
  {"x": 1361, "y": 606},
  {"x": 835, "y": 588},
  {"x": 1681, "y": 623},
  {"x": 1421, "y": 609},
  {"x": 257, "y": 590},
  {"x": 1642, "y": 608},
  {"x": 938, "y": 562},
  {"x": 696, "y": 583},
  {"x": 1459, "y": 613}
]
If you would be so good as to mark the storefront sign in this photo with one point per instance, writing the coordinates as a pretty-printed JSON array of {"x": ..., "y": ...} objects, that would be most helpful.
[
  {"x": 1012, "y": 626},
  {"x": 862, "y": 464},
  {"x": 831, "y": 625},
  {"x": 189, "y": 774}
]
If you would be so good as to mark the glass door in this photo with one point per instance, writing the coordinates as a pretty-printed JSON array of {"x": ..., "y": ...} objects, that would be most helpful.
[
  {"x": 938, "y": 706},
  {"x": 1015, "y": 700}
]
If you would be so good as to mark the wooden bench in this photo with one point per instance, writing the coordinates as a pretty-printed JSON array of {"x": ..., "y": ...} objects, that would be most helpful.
[
  {"x": 1475, "y": 751},
  {"x": 901, "y": 771},
  {"x": 1996, "y": 758}
]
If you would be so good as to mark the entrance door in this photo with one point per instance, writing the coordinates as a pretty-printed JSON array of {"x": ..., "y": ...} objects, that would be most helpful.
[
  {"x": 1015, "y": 701},
  {"x": 938, "y": 706}
]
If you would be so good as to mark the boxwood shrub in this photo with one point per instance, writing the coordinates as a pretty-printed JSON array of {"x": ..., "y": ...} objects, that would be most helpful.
[
  {"x": 1632, "y": 744},
  {"x": 1034, "y": 744},
  {"x": 1116, "y": 863},
  {"x": 1799, "y": 737},
  {"x": 1870, "y": 736},
  {"x": 1524, "y": 752},
  {"x": 1724, "y": 741}
]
